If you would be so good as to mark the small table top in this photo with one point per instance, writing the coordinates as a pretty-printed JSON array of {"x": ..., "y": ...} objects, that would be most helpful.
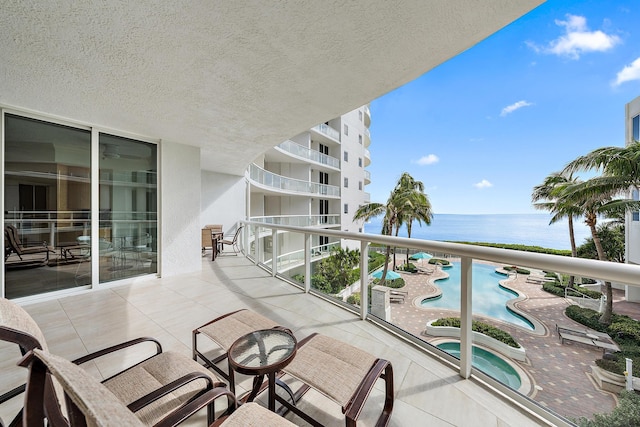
[
  {"x": 262, "y": 352},
  {"x": 591, "y": 336}
]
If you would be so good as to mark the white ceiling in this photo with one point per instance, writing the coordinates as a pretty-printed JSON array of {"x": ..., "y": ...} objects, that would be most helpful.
[{"x": 233, "y": 77}]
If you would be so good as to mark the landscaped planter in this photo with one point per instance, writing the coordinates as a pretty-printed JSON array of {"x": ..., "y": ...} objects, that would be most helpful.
[
  {"x": 478, "y": 338},
  {"x": 608, "y": 381}
]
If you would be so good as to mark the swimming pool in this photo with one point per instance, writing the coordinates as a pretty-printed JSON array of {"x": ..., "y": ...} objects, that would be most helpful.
[
  {"x": 489, "y": 299},
  {"x": 489, "y": 363}
]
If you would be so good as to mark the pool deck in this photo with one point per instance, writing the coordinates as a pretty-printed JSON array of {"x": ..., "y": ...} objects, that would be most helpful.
[{"x": 560, "y": 373}]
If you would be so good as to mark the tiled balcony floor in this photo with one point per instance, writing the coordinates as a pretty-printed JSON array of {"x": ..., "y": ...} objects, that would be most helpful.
[{"x": 427, "y": 392}]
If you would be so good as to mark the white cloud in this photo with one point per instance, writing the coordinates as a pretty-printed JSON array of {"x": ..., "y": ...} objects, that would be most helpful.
[
  {"x": 513, "y": 107},
  {"x": 628, "y": 73},
  {"x": 577, "y": 39},
  {"x": 427, "y": 160},
  {"x": 483, "y": 184}
]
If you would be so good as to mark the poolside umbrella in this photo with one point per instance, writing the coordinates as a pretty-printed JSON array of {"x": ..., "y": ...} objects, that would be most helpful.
[
  {"x": 421, "y": 255},
  {"x": 390, "y": 275}
]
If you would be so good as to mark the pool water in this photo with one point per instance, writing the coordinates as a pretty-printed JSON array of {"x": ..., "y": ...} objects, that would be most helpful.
[
  {"x": 489, "y": 363},
  {"x": 489, "y": 299}
]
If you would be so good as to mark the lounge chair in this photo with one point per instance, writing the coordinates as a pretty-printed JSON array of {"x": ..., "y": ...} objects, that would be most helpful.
[
  {"x": 91, "y": 403},
  {"x": 135, "y": 385},
  {"x": 233, "y": 242},
  {"x": 12, "y": 239},
  {"x": 343, "y": 373}
]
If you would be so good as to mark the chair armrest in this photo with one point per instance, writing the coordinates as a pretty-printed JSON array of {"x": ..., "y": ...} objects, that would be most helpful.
[
  {"x": 171, "y": 387},
  {"x": 117, "y": 347},
  {"x": 354, "y": 407},
  {"x": 196, "y": 404}
]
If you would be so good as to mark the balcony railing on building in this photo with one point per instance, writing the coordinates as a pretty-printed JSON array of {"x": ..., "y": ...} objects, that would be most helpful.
[
  {"x": 297, "y": 266},
  {"x": 300, "y": 220},
  {"x": 309, "y": 154},
  {"x": 327, "y": 130},
  {"x": 282, "y": 183}
]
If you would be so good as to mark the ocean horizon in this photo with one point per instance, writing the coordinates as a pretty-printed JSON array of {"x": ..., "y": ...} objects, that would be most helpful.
[{"x": 525, "y": 229}]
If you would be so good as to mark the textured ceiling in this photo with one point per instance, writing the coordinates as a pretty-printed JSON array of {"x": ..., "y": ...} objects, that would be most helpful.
[{"x": 232, "y": 77}]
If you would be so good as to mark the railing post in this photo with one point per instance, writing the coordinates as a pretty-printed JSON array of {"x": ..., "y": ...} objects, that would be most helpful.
[
  {"x": 364, "y": 279},
  {"x": 466, "y": 313},
  {"x": 256, "y": 245},
  {"x": 274, "y": 252},
  {"x": 307, "y": 262}
]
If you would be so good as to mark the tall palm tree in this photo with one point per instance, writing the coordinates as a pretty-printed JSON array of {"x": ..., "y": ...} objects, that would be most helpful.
[
  {"x": 551, "y": 190},
  {"x": 595, "y": 199},
  {"x": 407, "y": 202},
  {"x": 620, "y": 168}
]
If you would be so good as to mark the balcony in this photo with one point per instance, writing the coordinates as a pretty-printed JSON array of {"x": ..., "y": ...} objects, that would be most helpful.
[
  {"x": 328, "y": 131},
  {"x": 367, "y": 177},
  {"x": 309, "y": 154},
  {"x": 367, "y": 116},
  {"x": 427, "y": 386},
  {"x": 279, "y": 183},
  {"x": 367, "y": 197},
  {"x": 300, "y": 220},
  {"x": 367, "y": 137},
  {"x": 367, "y": 158}
]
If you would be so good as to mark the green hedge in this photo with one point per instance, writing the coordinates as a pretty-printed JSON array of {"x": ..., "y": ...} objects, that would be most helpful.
[
  {"x": 411, "y": 268},
  {"x": 519, "y": 270},
  {"x": 556, "y": 288},
  {"x": 439, "y": 261},
  {"x": 354, "y": 298},
  {"x": 626, "y": 414},
  {"x": 391, "y": 283},
  {"x": 623, "y": 330},
  {"x": 525, "y": 248},
  {"x": 481, "y": 327}
]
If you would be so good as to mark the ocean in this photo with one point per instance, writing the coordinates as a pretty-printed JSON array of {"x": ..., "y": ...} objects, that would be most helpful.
[{"x": 525, "y": 229}]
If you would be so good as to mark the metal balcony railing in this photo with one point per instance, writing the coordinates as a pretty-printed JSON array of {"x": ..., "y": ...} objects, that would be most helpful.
[
  {"x": 279, "y": 182},
  {"x": 299, "y": 220},
  {"x": 309, "y": 154}
]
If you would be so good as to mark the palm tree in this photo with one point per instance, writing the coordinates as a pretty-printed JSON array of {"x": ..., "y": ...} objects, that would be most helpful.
[
  {"x": 620, "y": 168},
  {"x": 406, "y": 203},
  {"x": 551, "y": 190},
  {"x": 594, "y": 199}
]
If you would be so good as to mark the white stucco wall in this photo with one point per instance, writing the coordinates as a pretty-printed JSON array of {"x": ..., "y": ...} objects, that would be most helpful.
[
  {"x": 223, "y": 200},
  {"x": 180, "y": 209}
]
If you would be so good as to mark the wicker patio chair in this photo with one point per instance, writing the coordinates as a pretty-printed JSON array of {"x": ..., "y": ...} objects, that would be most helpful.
[{"x": 134, "y": 386}]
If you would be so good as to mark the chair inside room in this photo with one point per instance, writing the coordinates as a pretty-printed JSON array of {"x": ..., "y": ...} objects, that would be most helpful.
[
  {"x": 14, "y": 244},
  {"x": 135, "y": 386}
]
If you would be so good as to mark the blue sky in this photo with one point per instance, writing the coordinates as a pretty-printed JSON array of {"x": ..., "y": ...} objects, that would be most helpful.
[{"x": 485, "y": 127}]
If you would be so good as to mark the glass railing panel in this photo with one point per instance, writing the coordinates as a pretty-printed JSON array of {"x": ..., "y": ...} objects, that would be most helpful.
[
  {"x": 307, "y": 153},
  {"x": 290, "y": 184},
  {"x": 328, "y": 130}
]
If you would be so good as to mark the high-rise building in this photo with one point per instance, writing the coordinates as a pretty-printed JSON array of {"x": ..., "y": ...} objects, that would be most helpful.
[{"x": 632, "y": 229}]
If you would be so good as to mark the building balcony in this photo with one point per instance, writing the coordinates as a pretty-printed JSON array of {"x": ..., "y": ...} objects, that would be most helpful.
[
  {"x": 430, "y": 385},
  {"x": 367, "y": 158},
  {"x": 298, "y": 150},
  {"x": 367, "y": 137},
  {"x": 367, "y": 177},
  {"x": 367, "y": 116},
  {"x": 367, "y": 197},
  {"x": 328, "y": 131},
  {"x": 282, "y": 184},
  {"x": 331, "y": 220}
]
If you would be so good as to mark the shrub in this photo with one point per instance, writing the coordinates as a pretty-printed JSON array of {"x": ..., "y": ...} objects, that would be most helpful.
[
  {"x": 519, "y": 270},
  {"x": 627, "y": 413},
  {"x": 524, "y": 248},
  {"x": 439, "y": 261},
  {"x": 391, "y": 283},
  {"x": 411, "y": 268},
  {"x": 481, "y": 327},
  {"x": 586, "y": 316},
  {"x": 556, "y": 288},
  {"x": 354, "y": 298}
]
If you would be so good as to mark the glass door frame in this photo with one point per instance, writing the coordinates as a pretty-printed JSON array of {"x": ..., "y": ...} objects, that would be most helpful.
[{"x": 95, "y": 199}]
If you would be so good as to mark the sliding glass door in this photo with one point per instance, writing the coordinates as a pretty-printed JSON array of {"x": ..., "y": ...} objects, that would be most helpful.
[{"x": 48, "y": 193}]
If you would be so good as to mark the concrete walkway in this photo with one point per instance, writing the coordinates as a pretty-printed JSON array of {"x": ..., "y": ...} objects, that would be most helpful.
[{"x": 560, "y": 373}]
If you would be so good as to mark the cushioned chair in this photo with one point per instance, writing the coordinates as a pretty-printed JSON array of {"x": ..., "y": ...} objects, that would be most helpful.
[
  {"x": 341, "y": 372},
  {"x": 133, "y": 386},
  {"x": 90, "y": 403}
]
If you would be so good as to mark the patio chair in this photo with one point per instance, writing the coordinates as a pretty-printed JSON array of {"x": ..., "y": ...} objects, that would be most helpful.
[
  {"x": 134, "y": 386},
  {"x": 233, "y": 242},
  {"x": 341, "y": 372},
  {"x": 16, "y": 246}
]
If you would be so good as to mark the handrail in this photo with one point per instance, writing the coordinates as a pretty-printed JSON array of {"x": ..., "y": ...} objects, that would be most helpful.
[
  {"x": 327, "y": 130},
  {"x": 605, "y": 270},
  {"x": 270, "y": 179},
  {"x": 309, "y": 154},
  {"x": 299, "y": 220}
]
